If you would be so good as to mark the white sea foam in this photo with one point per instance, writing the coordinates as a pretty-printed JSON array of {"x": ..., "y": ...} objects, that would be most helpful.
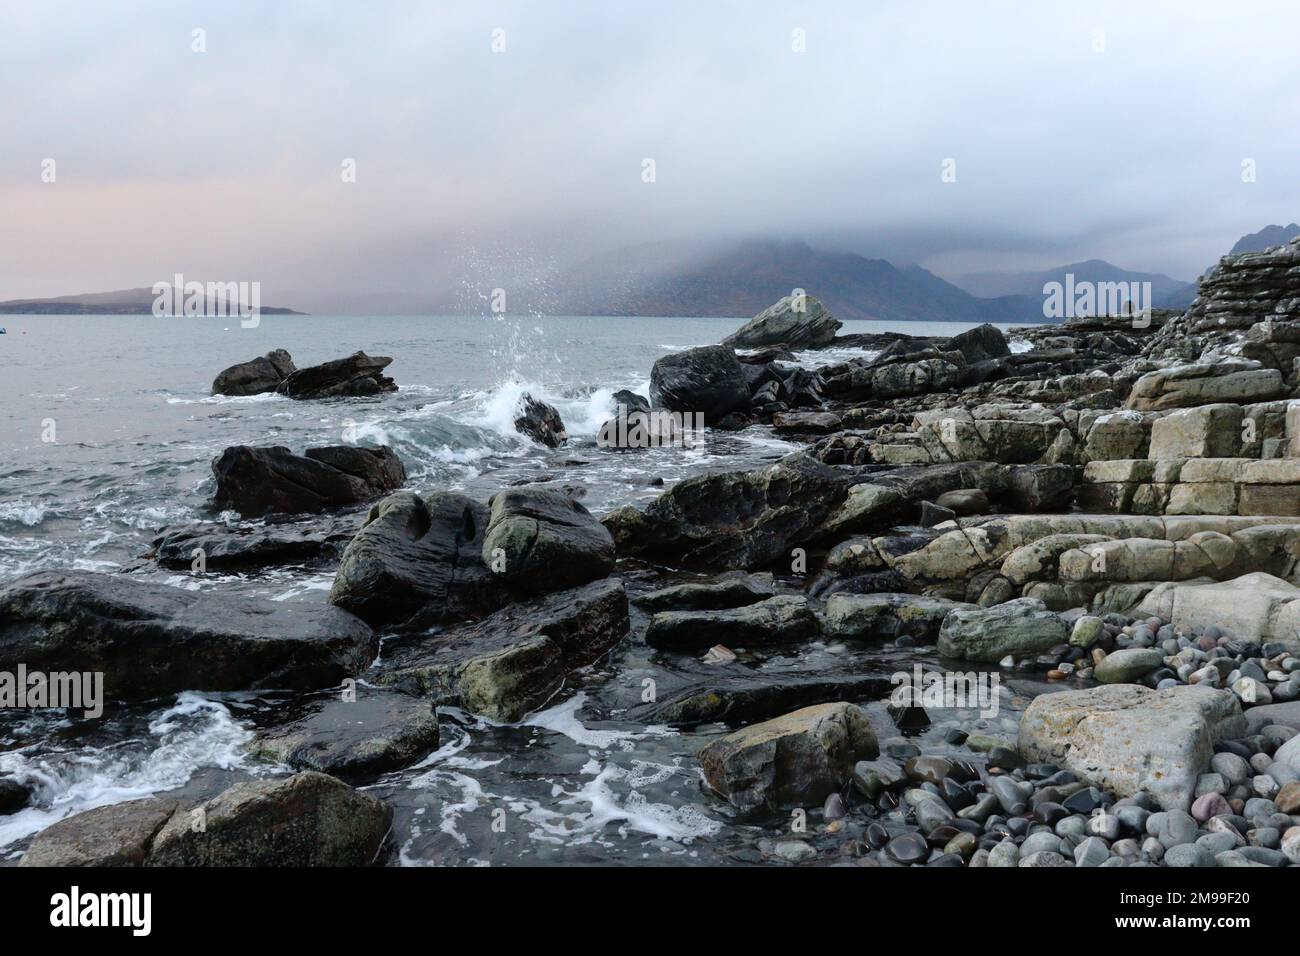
[{"x": 22, "y": 511}]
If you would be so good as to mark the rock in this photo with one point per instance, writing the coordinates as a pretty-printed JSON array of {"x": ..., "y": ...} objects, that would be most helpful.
[
  {"x": 1087, "y": 631},
  {"x": 539, "y": 540},
  {"x": 791, "y": 322},
  {"x": 726, "y": 591},
  {"x": 358, "y": 374},
  {"x": 1126, "y": 666},
  {"x": 980, "y": 344},
  {"x": 116, "y": 835},
  {"x": 993, "y": 433},
  {"x": 887, "y": 616},
  {"x": 370, "y": 733},
  {"x": 540, "y": 422},
  {"x": 1128, "y": 739},
  {"x": 707, "y": 380},
  {"x": 780, "y": 619},
  {"x": 806, "y": 423},
  {"x": 150, "y": 640},
  {"x": 515, "y": 660},
  {"x": 1041, "y": 487},
  {"x": 256, "y": 377},
  {"x": 309, "y": 819},
  {"x": 278, "y": 540},
  {"x": 1291, "y": 845},
  {"x": 965, "y": 501},
  {"x": 1208, "y": 431},
  {"x": 907, "y": 848},
  {"x": 1093, "y": 851},
  {"x": 1020, "y": 627},
  {"x": 734, "y": 520},
  {"x": 799, "y": 758},
  {"x": 13, "y": 796},
  {"x": 261, "y": 481},
  {"x": 1227, "y": 380},
  {"x": 1188, "y": 854},
  {"x": 418, "y": 558},
  {"x": 1209, "y": 805},
  {"x": 1257, "y": 607}
]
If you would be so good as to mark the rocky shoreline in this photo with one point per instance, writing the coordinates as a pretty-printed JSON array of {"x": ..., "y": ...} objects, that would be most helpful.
[{"x": 1113, "y": 514}]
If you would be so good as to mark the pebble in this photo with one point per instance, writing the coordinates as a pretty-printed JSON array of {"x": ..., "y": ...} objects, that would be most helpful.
[
  {"x": 1188, "y": 854},
  {"x": 1012, "y": 796},
  {"x": 907, "y": 848},
  {"x": 1005, "y": 854},
  {"x": 794, "y": 851},
  {"x": 1209, "y": 805},
  {"x": 1046, "y": 858},
  {"x": 1091, "y": 852}
]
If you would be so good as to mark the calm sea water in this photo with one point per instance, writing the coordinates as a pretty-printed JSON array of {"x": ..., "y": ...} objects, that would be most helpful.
[{"x": 107, "y": 430}]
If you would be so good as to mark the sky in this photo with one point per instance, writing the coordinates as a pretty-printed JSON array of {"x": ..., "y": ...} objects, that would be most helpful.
[{"x": 489, "y": 135}]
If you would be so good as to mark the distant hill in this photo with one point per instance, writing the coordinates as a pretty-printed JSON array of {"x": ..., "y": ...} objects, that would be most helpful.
[
  {"x": 744, "y": 278},
  {"x": 1266, "y": 238},
  {"x": 988, "y": 284},
  {"x": 121, "y": 302}
]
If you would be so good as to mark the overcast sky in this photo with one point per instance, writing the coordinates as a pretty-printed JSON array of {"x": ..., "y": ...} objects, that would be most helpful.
[{"x": 226, "y": 164}]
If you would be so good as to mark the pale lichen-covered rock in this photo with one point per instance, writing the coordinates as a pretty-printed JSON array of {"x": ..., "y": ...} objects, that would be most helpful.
[
  {"x": 799, "y": 758},
  {"x": 1258, "y": 607},
  {"x": 1127, "y": 738},
  {"x": 1207, "y": 431},
  {"x": 1020, "y": 627},
  {"x": 793, "y": 322},
  {"x": 1227, "y": 380}
]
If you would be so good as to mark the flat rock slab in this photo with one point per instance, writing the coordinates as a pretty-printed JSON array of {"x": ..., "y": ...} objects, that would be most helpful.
[
  {"x": 780, "y": 619},
  {"x": 356, "y": 375},
  {"x": 371, "y": 732},
  {"x": 799, "y": 758},
  {"x": 117, "y": 835},
  {"x": 266, "y": 544},
  {"x": 740, "y": 698},
  {"x": 887, "y": 615},
  {"x": 150, "y": 640},
  {"x": 726, "y": 591},
  {"x": 1021, "y": 627},
  {"x": 1127, "y": 738},
  {"x": 512, "y": 661}
]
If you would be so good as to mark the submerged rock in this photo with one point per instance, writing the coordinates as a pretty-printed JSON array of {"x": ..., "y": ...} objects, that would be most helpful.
[
  {"x": 262, "y": 481},
  {"x": 512, "y": 661},
  {"x": 800, "y": 758},
  {"x": 790, "y": 322},
  {"x": 369, "y": 733},
  {"x": 540, "y": 422},
  {"x": 418, "y": 558},
  {"x": 539, "y": 540},
  {"x": 309, "y": 819},
  {"x": 13, "y": 796},
  {"x": 150, "y": 640}
]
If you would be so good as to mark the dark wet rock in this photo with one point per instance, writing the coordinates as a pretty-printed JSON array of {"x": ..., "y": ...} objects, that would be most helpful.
[
  {"x": 539, "y": 540},
  {"x": 512, "y": 661},
  {"x": 801, "y": 757},
  {"x": 708, "y": 380},
  {"x": 116, "y": 835},
  {"x": 780, "y": 619},
  {"x": 932, "y": 514},
  {"x": 631, "y": 401},
  {"x": 357, "y": 375},
  {"x": 965, "y": 501},
  {"x": 886, "y": 616},
  {"x": 980, "y": 344},
  {"x": 733, "y": 589},
  {"x": 1041, "y": 487},
  {"x": 13, "y": 796},
  {"x": 908, "y": 848},
  {"x": 278, "y": 540},
  {"x": 256, "y": 377},
  {"x": 733, "y": 520},
  {"x": 540, "y": 422},
  {"x": 309, "y": 819},
  {"x": 366, "y": 733},
  {"x": 150, "y": 640},
  {"x": 791, "y": 322},
  {"x": 418, "y": 558},
  {"x": 259, "y": 481},
  {"x": 805, "y": 423}
]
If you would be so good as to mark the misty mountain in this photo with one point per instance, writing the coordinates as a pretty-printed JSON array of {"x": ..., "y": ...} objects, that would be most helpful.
[
  {"x": 1266, "y": 238},
  {"x": 988, "y": 284},
  {"x": 742, "y": 279},
  {"x": 120, "y": 302}
]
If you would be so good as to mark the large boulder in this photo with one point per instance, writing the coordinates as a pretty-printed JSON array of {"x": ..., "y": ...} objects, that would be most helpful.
[
  {"x": 419, "y": 558},
  {"x": 1206, "y": 431},
  {"x": 800, "y": 758},
  {"x": 150, "y": 640},
  {"x": 1227, "y": 380},
  {"x": 737, "y": 519},
  {"x": 887, "y": 615},
  {"x": 778, "y": 619},
  {"x": 1126, "y": 738},
  {"x": 1255, "y": 607},
  {"x": 365, "y": 733},
  {"x": 1000, "y": 433},
  {"x": 1021, "y": 627},
  {"x": 792, "y": 322},
  {"x": 309, "y": 819},
  {"x": 515, "y": 660},
  {"x": 707, "y": 380},
  {"x": 261, "y": 481},
  {"x": 120, "y": 834},
  {"x": 981, "y": 344},
  {"x": 256, "y": 377},
  {"x": 540, "y": 540},
  {"x": 358, "y": 374},
  {"x": 540, "y": 422},
  {"x": 276, "y": 540}
]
